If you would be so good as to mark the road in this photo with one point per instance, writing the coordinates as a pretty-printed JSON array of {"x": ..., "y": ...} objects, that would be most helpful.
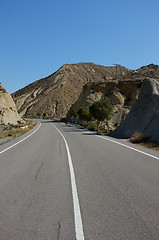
[{"x": 117, "y": 187}]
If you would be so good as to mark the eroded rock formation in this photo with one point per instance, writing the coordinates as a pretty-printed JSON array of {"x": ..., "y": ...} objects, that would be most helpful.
[
  {"x": 144, "y": 115},
  {"x": 122, "y": 93},
  {"x": 8, "y": 110}
]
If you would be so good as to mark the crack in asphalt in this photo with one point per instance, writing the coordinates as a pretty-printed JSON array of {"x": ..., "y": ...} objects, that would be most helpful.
[
  {"x": 59, "y": 231},
  {"x": 36, "y": 175}
]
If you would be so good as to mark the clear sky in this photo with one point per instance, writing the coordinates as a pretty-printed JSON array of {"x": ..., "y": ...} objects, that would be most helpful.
[{"x": 38, "y": 36}]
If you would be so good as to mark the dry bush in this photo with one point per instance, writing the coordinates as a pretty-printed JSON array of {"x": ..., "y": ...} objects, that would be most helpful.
[
  {"x": 16, "y": 131},
  {"x": 92, "y": 125},
  {"x": 153, "y": 145},
  {"x": 138, "y": 137},
  {"x": 144, "y": 141}
]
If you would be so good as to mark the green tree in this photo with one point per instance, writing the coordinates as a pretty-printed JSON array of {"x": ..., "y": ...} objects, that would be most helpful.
[
  {"x": 102, "y": 111},
  {"x": 84, "y": 114}
]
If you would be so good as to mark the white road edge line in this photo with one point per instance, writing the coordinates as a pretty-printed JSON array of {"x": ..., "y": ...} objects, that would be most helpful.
[
  {"x": 20, "y": 140},
  {"x": 134, "y": 149},
  {"x": 77, "y": 213}
]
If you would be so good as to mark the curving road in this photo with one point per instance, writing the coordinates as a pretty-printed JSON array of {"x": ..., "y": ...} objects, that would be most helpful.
[{"x": 61, "y": 183}]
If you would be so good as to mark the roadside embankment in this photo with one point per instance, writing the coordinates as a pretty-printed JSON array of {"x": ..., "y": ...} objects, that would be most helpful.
[{"x": 8, "y": 132}]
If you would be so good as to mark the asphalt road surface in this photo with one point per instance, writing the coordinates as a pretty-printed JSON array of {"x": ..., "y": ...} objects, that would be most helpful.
[{"x": 62, "y": 183}]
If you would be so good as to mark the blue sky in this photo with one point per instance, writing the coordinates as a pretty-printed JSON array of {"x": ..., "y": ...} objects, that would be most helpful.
[{"x": 38, "y": 36}]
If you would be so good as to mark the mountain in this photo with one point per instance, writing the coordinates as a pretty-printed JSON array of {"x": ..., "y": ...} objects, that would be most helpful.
[
  {"x": 55, "y": 94},
  {"x": 81, "y": 84},
  {"x": 8, "y": 110}
]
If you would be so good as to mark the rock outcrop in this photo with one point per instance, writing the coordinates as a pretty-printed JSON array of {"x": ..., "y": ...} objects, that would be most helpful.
[
  {"x": 8, "y": 110},
  {"x": 122, "y": 93},
  {"x": 144, "y": 115}
]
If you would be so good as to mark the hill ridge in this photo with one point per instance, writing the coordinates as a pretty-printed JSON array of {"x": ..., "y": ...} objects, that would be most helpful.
[{"x": 55, "y": 94}]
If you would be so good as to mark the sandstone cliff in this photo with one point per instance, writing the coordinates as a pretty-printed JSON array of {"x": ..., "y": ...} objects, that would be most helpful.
[
  {"x": 8, "y": 110},
  {"x": 144, "y": 115}
]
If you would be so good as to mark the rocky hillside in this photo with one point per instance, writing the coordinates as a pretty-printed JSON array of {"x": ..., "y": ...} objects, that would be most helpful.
[
  {"x": 80, "y": 84},
  {"x": 144, "y": 115},
  {"x": 8, "y": 110},
  {"x": 122, "y": 93},
  {"x": 55, "y": 94}
]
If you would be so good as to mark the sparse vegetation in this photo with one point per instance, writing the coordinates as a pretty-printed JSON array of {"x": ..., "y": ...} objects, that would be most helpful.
[
  {"x": 15, "y": 131},
  {"x": 102, "y": 111},
  {"x": 92, "y": 125},
  {"x": 84, "y": 114},
  {"x": 144, "y": 140},
  {"x": 152, "y": 145},
  {"x": 96, "y": 117},
  {"x": 138, "y": 137}
]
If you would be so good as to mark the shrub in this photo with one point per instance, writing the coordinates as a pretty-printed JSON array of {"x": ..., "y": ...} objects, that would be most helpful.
[
  {"x": 92, "y": 125},
  {"x": 102, "y": 111},
  {"x": 84, "y": 114},
  {"x": 138, "y": 137}
]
